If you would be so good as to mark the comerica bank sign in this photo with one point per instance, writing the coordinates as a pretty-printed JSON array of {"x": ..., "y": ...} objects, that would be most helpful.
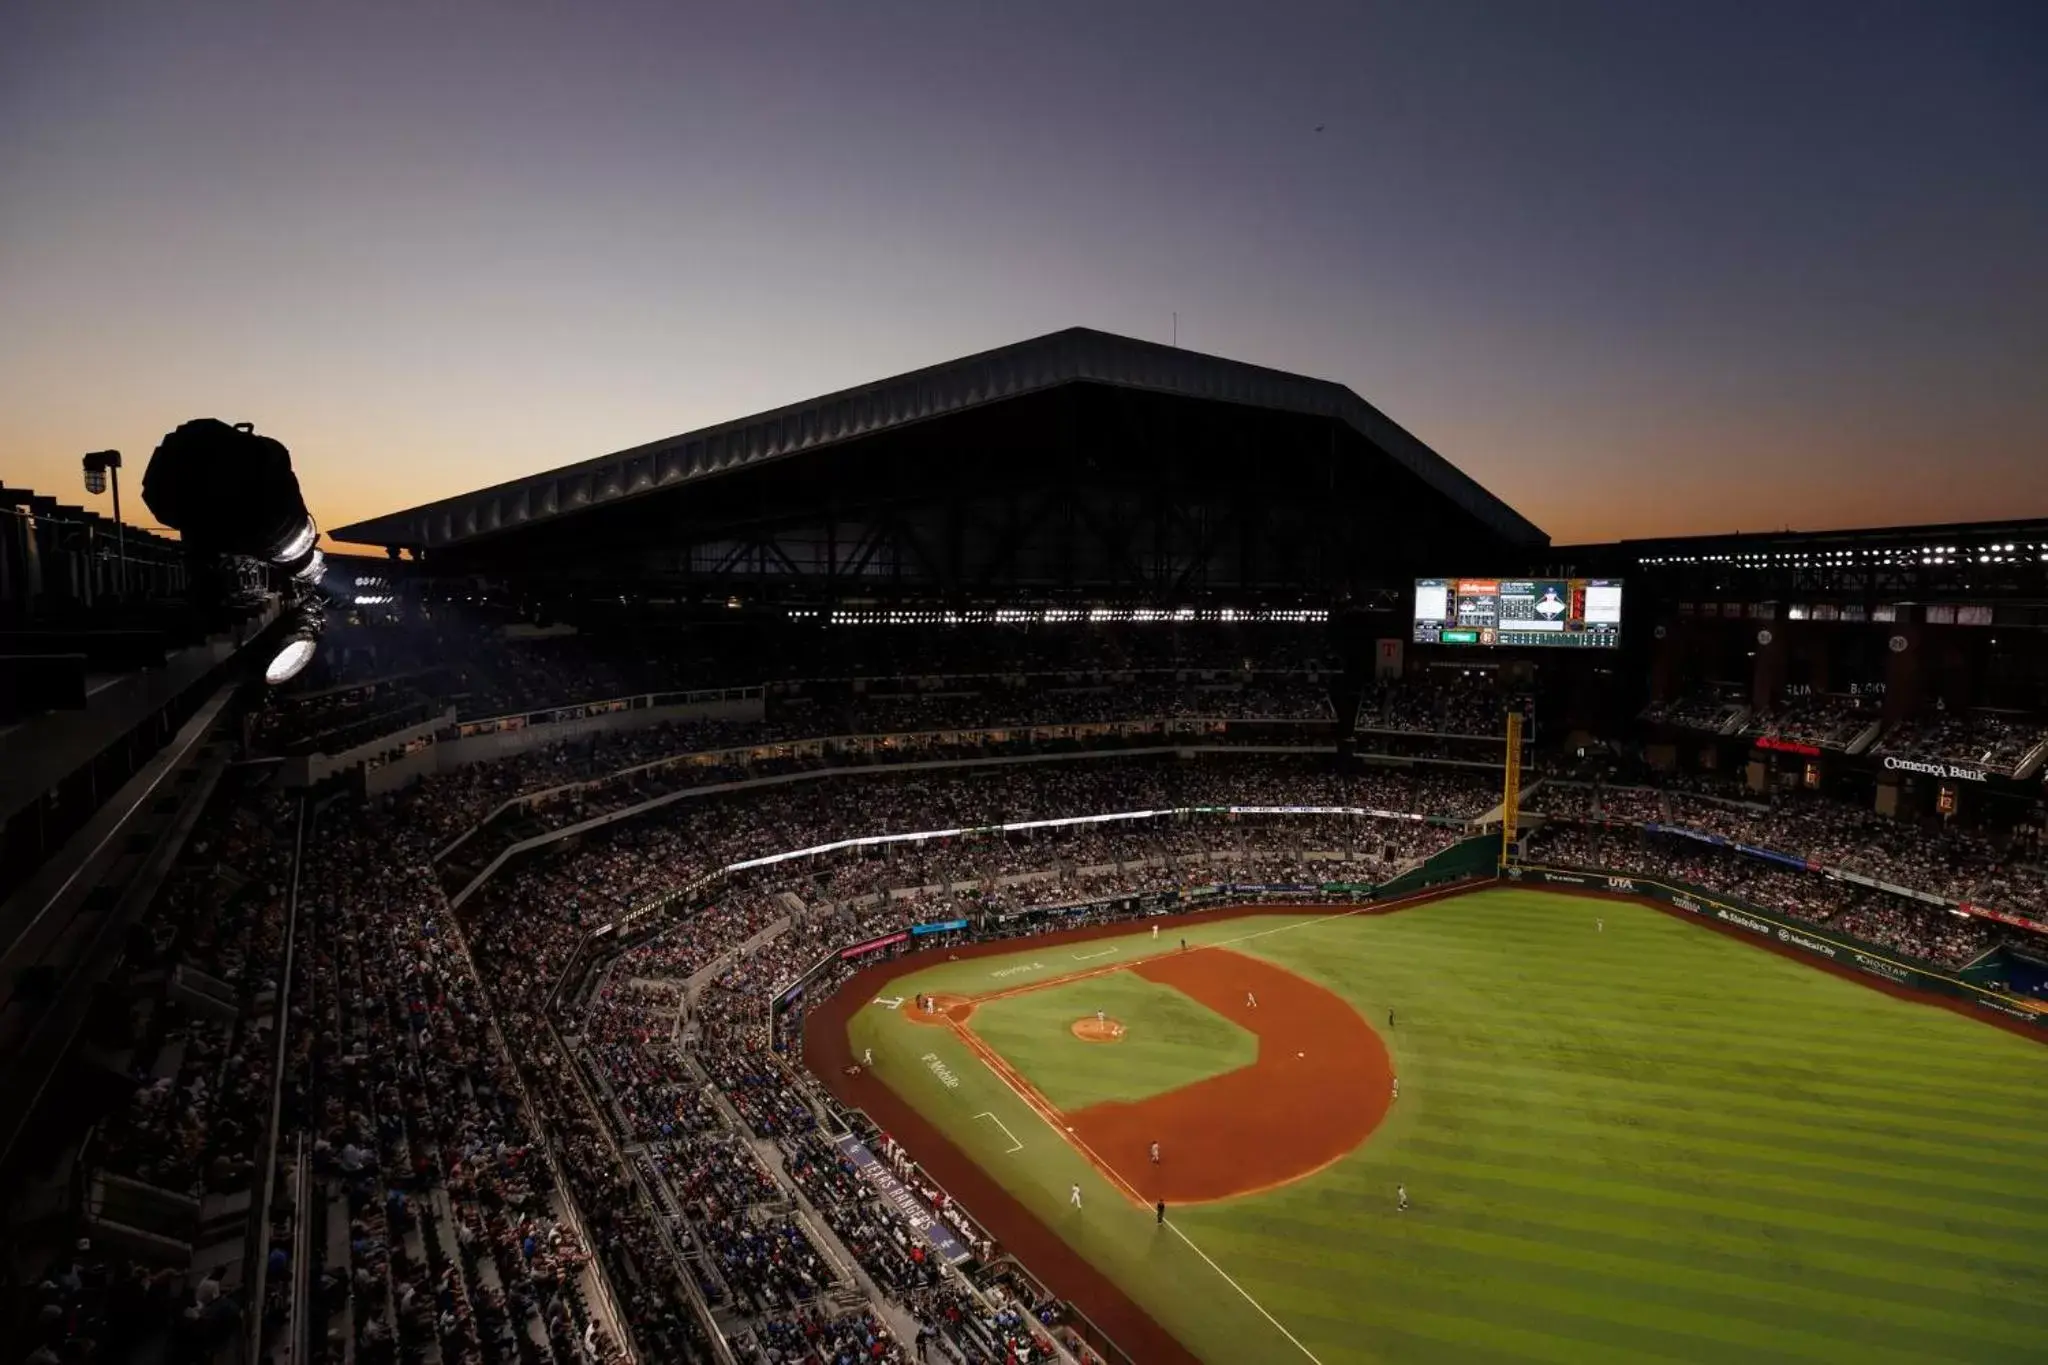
[{"x": 1910, "y": 765}]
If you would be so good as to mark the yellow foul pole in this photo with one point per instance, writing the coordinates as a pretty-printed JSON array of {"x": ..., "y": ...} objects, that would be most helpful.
[{"x": 1511, "y": 787}]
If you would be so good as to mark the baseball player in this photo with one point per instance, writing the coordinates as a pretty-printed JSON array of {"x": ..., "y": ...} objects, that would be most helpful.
[
  {"x": 1155, "y": 933},
  {"x": 867, "y": 1056},
  {"x": 1101, "y": 1017},
  {"x": 1390, "y": 1018},
  {"x": 1155, "y": 1154},
  {"x": 1599, "y": 926},
  {"x": 1400, "y": 1198},
  {"x": 1074, "y": 1197},
  {"x": 1159, "y": 1213},
  {"x": 1397, "y": 1087},
  {"x": 1251, "y": 1002}
]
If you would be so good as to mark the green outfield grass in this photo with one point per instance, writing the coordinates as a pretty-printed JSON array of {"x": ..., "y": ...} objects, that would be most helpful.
[
  {"x": 1171, "y": 1040},
  {"x": 1649, "y": 1143}
]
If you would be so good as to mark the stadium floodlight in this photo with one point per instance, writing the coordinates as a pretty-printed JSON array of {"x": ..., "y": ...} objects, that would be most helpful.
[
  {"x": 100, "y": 465},
  {"x": 227, "y": 490},
  {"x": 303, "y": 626},
  {"x": 233, "y": 497}
]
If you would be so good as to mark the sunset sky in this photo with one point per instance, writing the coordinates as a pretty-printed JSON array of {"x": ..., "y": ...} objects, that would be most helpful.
[{"x": 1640, "y": 268}]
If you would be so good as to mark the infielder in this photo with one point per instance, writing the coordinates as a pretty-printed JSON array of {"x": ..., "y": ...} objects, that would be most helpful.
[
  {"x": 1400, "y": 1198},
  {"x": 1074, "y": 1197},
  {"x": 867, "y": 1056},
  {"x": 1397, "y": 1087},
  {"x": 1155, "y": 1154},
  {"x": 1251, "y": 1002}
]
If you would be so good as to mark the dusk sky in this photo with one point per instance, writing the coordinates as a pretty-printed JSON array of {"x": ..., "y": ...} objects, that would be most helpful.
[{"x": 1641, "y": 268}]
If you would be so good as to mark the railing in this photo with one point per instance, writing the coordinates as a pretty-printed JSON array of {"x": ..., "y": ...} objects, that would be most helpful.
[
  {"x": 597, "y": 822},
  {"x": 895, "y": 741},
  {"x": 531, "y": 1117},
  {"x": 257, "y": 1254}
]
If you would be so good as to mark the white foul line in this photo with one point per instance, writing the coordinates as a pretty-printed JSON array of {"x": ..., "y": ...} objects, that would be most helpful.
[
  {"x": 1015, "y": 1146},
  {"x": 1241, "y": 1289},
  {"x": 1074, "y": 1140},
  {"x": 1085, "y": 957}
]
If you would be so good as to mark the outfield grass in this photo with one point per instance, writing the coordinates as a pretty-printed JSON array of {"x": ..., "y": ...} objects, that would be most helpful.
[
  {"x": 1170, "y": 1040},
  {"x": 1649, "y": 1143}
]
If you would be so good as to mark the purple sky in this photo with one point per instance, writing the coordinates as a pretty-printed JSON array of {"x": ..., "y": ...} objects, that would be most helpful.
[{"x": 1639, "y": 268}]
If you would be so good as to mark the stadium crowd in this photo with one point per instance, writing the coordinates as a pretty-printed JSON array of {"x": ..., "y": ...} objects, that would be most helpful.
[
  {"x": 1913, "y": 928},
  {"x": 506, "y": 1170}
]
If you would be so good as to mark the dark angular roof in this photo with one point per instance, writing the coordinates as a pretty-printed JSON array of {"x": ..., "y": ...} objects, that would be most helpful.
[{"x": 1075, "y": 355}]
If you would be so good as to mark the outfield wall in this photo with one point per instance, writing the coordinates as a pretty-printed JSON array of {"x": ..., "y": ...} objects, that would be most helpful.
[{"x": 1795, "y": 937}]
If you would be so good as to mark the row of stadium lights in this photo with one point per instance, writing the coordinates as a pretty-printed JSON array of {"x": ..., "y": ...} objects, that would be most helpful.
[
  {"x": 2009, "y": 553},
  {"x": 1020, "y": 616}
]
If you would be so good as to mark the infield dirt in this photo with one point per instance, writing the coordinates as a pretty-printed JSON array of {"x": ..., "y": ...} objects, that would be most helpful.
[{"x": 828, "y": 1055}]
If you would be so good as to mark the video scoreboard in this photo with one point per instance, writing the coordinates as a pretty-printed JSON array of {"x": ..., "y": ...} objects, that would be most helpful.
[{"x": 1579, "y": 612}]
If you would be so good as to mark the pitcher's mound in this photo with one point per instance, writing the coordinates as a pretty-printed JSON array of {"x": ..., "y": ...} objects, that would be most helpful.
[{"x": 1093, "y": 1030}]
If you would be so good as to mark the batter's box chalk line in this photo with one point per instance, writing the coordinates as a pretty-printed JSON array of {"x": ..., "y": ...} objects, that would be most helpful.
[{"x": 1015, "y": 1146}]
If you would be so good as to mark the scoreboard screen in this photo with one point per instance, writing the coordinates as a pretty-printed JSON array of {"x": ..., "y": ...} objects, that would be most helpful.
[{"x": 1582, "y": 613}]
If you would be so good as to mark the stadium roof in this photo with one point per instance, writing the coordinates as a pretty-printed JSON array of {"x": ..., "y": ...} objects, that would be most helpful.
[{"x": 1076, "y": 355}]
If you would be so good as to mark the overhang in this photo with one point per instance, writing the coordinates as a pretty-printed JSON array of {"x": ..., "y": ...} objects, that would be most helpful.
[{"x": 1076, "y": 355}]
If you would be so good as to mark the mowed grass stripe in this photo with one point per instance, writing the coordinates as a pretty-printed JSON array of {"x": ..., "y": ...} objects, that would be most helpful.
[
  {"x": 1865, "y": 1133},
  {"x": 1652, "y": 1143},
  {"x": 1812, "y": 1139},
  {"x": 1852, "y": 1107},
  {"x": 1842, "y": 1073},
  {"x": 1715, "y": 1311},
  {"x": 1677, "y": 1175},
  {"x": 1946, "y": 1168},
  {"x": 1727, "y": 1244}
]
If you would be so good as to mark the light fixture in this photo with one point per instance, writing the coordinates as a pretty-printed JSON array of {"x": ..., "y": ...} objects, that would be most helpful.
[
  {"x": 303, "y": 626},
  {"x": 295, "y": 543}
]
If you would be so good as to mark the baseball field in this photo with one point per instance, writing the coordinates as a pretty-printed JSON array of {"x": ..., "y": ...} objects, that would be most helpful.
[{"x": 1622, "y": 1137}]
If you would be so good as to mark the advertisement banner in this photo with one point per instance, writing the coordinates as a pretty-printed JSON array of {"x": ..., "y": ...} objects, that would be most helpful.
[
  {"x": 936, "y": 1232},
  {"x": 876, "y": 945},
  {"x": 1769, "y": 855},
  {"x": 1682, "y": 832},
  {"x": 941, "y": 927},
  {"x": 2005, "y": 917}
]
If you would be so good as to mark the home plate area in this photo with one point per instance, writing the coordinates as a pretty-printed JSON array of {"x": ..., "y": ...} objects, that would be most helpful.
[{"x": 1090, "y": 1029}]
